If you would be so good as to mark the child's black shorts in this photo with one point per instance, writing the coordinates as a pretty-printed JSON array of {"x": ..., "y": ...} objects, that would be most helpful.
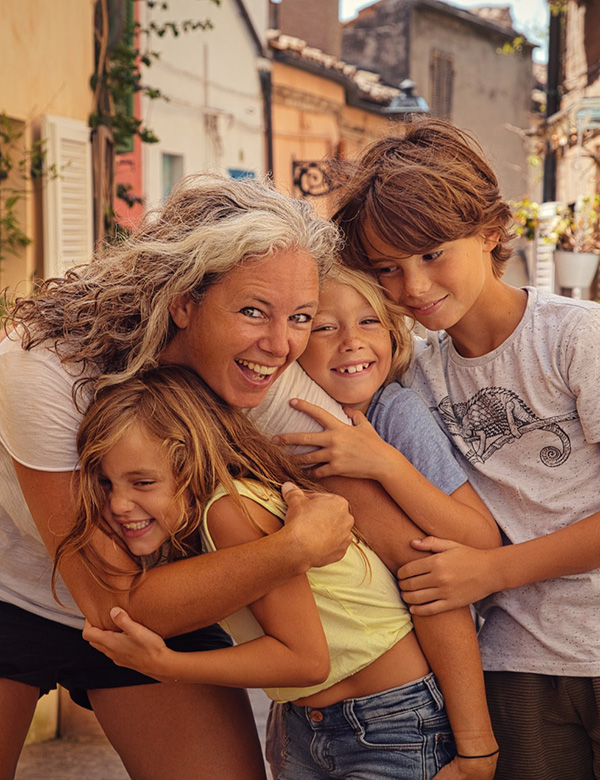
[{"x": 43, "y": 653}]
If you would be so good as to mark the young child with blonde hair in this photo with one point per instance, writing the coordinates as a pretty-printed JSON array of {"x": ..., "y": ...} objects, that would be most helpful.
[{"x": 359, "y": 349}]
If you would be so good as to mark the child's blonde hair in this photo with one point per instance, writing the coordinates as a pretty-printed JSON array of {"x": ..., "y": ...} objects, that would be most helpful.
[
  {"x": 394, "y": 317},
  {"x": 424, "y": 186},
  {"x": 205, "y": 441}
]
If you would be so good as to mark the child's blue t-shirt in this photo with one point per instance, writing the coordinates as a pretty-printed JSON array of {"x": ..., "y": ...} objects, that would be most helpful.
[{"x": 401, "y": 419}]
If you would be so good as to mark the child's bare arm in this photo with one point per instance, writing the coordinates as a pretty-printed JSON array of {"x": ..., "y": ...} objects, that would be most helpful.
[
  {"x": 225, "y": 580},
  {"x": 458, "y": 575},
  {"x": 358, "y": 451},
  {"x": 449, "y": 641},
  {"x": 285, "y": 656}
]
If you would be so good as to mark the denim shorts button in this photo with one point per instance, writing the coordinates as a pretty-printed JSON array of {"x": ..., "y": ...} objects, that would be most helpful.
[{"x": 316, "y": 715}]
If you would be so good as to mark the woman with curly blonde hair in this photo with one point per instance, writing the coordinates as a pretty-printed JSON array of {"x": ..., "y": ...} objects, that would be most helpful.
[{"x": 222, "y": 279}]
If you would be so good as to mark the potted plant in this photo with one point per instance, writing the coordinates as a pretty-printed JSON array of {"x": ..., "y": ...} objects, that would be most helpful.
[{"x": 576, "y": 235}]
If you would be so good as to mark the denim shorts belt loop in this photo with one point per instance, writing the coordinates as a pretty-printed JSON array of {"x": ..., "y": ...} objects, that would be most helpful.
[{"x": 350, "y": 711}]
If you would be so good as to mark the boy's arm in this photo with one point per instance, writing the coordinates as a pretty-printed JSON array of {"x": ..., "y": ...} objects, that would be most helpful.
[
  {"x": 358, "y": 451},
  {"x": 285, "y": 656},
  {"x": 458, "y": 575}
]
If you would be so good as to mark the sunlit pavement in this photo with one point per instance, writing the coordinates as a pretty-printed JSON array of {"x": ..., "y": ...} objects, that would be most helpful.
[{"x": 91, "y": 758}]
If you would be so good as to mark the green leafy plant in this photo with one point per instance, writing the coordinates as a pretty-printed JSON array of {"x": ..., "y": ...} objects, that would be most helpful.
[
  {"x": 526, "y": 217},
  {"x": 20, "y": 167},
  {"x": 574, "y": 229},
  {"x": 557, "y": 7},
  {"x": 120, "y": 59},
  {"x": 578, "y": 229},
  {"x": 514, "y": 46}
]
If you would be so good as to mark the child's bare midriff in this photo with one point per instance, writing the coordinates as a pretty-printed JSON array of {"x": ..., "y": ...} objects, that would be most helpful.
[{"x": 402, "y": 664}]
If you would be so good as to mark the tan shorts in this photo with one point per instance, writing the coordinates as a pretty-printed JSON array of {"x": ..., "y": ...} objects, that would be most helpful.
[{"x": 548, "y": 728}]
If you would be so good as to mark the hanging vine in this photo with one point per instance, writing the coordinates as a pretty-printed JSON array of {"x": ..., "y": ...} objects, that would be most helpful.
[{"x": 123, "y": 48}]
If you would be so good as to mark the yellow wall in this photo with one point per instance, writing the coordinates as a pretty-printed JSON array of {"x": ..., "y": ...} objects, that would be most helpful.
[
  {"x": 306, "y": 120},
  {"x": 46, "y": 57},
  {"x": 46, "y": 61}
]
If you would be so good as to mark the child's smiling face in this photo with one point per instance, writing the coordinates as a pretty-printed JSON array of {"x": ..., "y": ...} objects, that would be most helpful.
[
  {"x": 444, "y": 288},
  {"x": 140, "y": 491},
  {"x": 349, "y": 352}
]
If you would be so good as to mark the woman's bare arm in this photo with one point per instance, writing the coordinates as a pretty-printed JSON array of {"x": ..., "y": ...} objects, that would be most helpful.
[
  {"x": 283, "y": 656},
  {"x": 188, "y": 594}
]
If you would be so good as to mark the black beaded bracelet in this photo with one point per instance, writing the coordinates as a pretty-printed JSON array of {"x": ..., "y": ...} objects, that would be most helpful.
[{"x": 485, "y": 755}]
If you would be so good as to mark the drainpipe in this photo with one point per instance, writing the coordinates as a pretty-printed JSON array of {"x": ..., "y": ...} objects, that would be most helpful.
[
  {"x": 264, "y": 72},
  {"x": 552, "y": 100}
]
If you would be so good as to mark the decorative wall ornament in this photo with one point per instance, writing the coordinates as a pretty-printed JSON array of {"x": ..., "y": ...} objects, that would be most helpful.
[{"x": 311, "y": 178}]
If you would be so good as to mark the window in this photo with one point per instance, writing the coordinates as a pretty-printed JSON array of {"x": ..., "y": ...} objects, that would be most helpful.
[
  {"x": 442, "y": 84},
  {"x": 241, "y": 173},
  {"x": 172, "y": 171}
]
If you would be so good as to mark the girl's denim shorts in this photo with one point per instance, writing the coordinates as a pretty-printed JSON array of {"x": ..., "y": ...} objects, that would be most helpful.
[{"x": 400, "y": 734}]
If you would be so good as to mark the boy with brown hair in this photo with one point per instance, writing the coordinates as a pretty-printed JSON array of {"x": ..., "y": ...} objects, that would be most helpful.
[{"x": 512, "y": 377}]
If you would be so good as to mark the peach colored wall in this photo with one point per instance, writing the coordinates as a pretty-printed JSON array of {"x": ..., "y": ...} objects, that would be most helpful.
[
  {"x": 311, "y": 121},
  {"x": 46, "y": 57}
]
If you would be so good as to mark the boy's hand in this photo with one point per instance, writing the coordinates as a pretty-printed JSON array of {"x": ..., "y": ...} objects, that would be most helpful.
[
  {"x": 455, "y": 576},
  {"x": 320, "y": 523},
  {"x": 344, "y": 450},
  {"x": 134, "y": 646}
]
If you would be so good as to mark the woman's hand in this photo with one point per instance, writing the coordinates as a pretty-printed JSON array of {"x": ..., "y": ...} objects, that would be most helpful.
[
  {"x": 468, "y": 769},
  {"x": 455, "y": 576},
  {"x": 134, "y": 645},
  {"x": 354, "y": 450},
  {"x": 320, "y": 523}
]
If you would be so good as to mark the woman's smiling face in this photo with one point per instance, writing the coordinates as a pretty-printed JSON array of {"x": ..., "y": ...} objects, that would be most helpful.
[
  {"x": 349, "y": 352},
  {"x": 249, "y": 327}
]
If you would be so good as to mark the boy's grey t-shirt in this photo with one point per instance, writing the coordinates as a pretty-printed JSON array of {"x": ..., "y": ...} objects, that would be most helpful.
[{"x": 526, "y": 418}]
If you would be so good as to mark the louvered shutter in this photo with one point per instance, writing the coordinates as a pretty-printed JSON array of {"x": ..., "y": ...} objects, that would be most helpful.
[
  {"x": 543, "y": 272},
  {"x": 68, "y": 207}
]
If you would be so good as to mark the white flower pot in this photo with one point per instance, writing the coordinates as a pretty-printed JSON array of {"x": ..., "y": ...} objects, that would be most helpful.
[{"x": 575, "y": 269}]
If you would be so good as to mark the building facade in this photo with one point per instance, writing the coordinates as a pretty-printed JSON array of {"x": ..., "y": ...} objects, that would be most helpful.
[
  {"x": 455, "y": 58},
  {"x": 322, "y": 109},
  {"x": 573, "y": 132},
  {"x": 569, "y": 139},
  {"x": 211, "y": 116}
]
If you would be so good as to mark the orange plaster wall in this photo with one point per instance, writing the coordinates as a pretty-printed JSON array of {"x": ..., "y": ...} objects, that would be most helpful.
[{"x": 306, "y": 110}]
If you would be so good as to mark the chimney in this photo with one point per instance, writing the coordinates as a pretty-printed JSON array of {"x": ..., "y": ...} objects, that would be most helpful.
[{"x": 314, "y": 21}]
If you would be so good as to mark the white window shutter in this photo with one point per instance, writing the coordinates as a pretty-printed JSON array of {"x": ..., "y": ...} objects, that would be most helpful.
[
  {"x": 543, "y": 277},
  {"x": 68, "y": 199}
]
